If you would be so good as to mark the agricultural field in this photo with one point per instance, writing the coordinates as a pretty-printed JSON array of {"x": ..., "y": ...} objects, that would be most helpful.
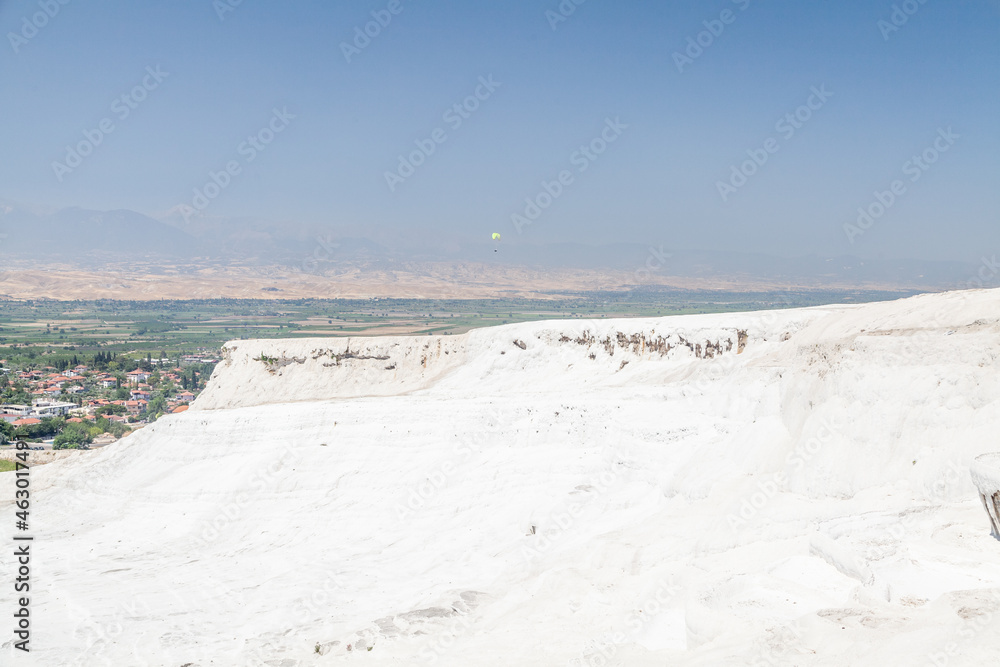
[{"x": 56, "y": 329}]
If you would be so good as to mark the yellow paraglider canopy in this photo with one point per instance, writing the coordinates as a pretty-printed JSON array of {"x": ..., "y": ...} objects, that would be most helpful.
[{"x": 496, "y": 236}]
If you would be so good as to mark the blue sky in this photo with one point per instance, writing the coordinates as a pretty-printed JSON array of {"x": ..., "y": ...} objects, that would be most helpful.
[{"x": 679, "y": 133}]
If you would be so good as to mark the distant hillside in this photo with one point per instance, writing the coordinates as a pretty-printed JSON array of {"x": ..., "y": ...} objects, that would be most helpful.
[
  {"x": 84, "y": 238},
  {"x": 76, "y": 235}
]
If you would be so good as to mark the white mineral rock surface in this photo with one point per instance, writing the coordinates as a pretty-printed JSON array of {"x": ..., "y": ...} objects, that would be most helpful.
[{"x": 768, "y": 488}]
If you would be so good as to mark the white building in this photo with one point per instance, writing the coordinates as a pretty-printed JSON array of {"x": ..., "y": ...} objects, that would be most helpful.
[{"x": 52, "y": 409}]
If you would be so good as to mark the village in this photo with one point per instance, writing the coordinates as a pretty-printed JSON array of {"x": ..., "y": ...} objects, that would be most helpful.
[{"x": 81, "y": 407}]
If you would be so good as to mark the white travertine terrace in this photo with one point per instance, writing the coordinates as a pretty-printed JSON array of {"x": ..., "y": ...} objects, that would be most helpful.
[{"x": 554, "y": 493}]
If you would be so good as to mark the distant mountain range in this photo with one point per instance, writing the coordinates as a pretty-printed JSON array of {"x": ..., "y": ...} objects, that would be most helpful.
[
  {"x": 85, "y": 238},
  {"x": 80, "y": 236}
]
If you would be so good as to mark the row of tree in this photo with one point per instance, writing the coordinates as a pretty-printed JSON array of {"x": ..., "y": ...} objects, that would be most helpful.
[{"x": 67, "y": 436}]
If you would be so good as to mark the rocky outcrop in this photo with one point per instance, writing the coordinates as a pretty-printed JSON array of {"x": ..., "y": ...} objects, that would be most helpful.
[{"x": 985, "y": 471}]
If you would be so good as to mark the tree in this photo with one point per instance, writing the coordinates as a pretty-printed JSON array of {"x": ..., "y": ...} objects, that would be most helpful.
[
  {"x": 6, "y": 431},
  {"x": 48, "y": 426},
  {"x": 157, "y": 406},
  {"x": 116, "y": 429},
  {"x": 111, "y": 409},
  {"x": 74, "y": 436}
]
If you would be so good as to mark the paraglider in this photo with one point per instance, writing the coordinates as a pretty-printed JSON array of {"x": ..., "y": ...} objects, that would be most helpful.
[{"x": 496, "y": 237}]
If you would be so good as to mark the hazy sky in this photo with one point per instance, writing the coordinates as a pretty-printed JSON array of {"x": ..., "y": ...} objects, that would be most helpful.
[{"x": 664, "y": 119}]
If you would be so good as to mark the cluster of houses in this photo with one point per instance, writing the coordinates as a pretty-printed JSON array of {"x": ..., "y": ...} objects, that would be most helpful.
[
  {"x": 46, "y": 385},
  {"x": 17, "y": 414}
]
